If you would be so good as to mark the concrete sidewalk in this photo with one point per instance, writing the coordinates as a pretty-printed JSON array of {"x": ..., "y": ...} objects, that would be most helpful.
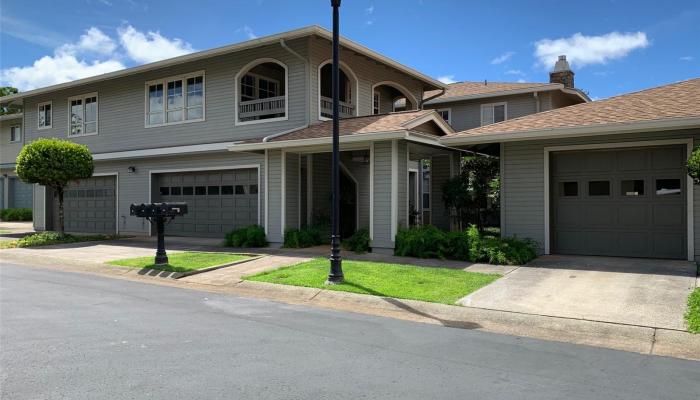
[{"x": 646, "y": 340}]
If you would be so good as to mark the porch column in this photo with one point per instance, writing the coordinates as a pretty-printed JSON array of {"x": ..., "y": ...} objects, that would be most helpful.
[
  {"x": 273, "y": 196},
  {"x": 389, "y": 193},
  {"x": 291, "y": 210}
]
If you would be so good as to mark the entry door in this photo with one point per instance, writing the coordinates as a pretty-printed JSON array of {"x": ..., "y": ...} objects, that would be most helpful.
[{"x": 629, "y": 202}]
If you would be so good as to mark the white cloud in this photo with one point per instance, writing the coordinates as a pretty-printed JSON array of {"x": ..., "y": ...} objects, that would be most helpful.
[
  {"x": 370, "y": 9},
  {"x": 447, "y": 79},
  {"x": 151, "y": 46},
  {"x": 583, "y": 50},
  {"x": 521, "y": 80},
  {"x": 59, "y": 68},
  {"x": 95, "y": 53},
  {"x": 248, "y": 31},
  {"x": 687, "y": 58},
  {"x": 503, "y": 57},
  {"x": 515, "y": 72},
  {"x": 94, "y": 40},
  {"x": 35, "y": 34}
]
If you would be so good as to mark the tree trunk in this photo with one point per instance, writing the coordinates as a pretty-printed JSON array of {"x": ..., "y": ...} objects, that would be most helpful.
[{"x": 61, "y": 225}]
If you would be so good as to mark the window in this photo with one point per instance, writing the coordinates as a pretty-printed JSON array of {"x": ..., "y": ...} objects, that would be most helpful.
[
  {"x": 164, "y": 190},
  {"x": 200, "y": 190},
  {"x": 175, "y": 191},
  {"x": 568, "y": 189},
  {"x": 228, "y": 189},
  {"x": 213, "y": 190},
  {"x": 445, "y": 114},
  {"x": 599, "y": 188},
  {"x": 83, "y": 115},
  {"x": 240, "y": 189},
  {"x": 175, "y": 100},
  {"x": 632, "y": 187},
  {"x": 665, "y": 187},
  {"x": 16, "y": 133},
  {"x": 45, "y": 112},
  {"x": 492, "y": 113},
  {"x": 399, "y": 104},
  {"x": 187, "y": 190},
  {"x": 255, "y": 87},
  {"x": 375, "y": 103}
]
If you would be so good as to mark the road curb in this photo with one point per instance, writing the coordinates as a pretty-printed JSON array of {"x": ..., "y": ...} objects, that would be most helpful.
[{"x": 645, "y": 340}]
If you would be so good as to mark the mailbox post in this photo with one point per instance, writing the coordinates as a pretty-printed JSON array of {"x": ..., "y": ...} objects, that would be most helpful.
[{"x": 159, "y": 213}]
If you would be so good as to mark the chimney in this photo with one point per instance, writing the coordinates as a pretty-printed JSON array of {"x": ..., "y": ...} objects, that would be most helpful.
[{"x": 562, "y": 73}]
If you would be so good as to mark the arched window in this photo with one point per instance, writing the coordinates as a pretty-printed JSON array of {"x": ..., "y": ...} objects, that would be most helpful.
[
  {"x": 261, "y": 92},
  {"x": 347, "y": 95}
]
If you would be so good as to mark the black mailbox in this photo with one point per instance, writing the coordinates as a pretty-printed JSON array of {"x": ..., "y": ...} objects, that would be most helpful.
[
  {"x": 157, "y": 213},
  {"x": 167, "y": 210}
]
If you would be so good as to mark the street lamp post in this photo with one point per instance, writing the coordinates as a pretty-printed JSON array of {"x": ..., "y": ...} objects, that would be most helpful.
[{"x": 336, "y": 274}]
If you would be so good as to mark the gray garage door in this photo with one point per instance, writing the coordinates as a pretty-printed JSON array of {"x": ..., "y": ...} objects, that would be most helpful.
[
  {"x": 89, "y": 206},
  {"x": 20, "y": 195},
  {"x": 628, "y": 202},
  {"x": 218, "y": 201}
]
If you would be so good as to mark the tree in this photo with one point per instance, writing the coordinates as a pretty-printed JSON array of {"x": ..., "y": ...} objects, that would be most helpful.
[
  {"x": 9, "y": 108},
  {"x": 54, "y": 163},
  {"x": 693, "y": 165},
  {"x": 466, "y": 195}
]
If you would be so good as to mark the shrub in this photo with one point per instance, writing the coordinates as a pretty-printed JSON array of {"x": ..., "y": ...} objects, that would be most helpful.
[
  {"x": 301, "y": 238},
  {"x": 48, "y": 238},
  {"x": 469, "y": 245},
  {"x": 251, "y": 236},
  {"x": 693, "y": 165},
  {"x": 423, "y": 241},
  {"x": 16, "y": 214},
  {"x": 358, "y": 242}
]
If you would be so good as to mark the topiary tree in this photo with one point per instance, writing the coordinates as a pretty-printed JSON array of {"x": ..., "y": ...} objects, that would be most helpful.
[
  {"x": 693, "y": 165},
  {"x": 54, "y": 163}
]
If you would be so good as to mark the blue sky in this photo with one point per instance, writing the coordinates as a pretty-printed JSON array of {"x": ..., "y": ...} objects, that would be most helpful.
[{"x": 614, "y": 46}]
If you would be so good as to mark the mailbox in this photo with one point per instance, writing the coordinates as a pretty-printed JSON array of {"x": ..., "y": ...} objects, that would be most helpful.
[{"x": 158, "y": 213}]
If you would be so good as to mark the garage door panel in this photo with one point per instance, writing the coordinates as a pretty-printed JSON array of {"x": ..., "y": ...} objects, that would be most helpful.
[
  {"x": 669, "y": 215},
  {"x": 599, "y": 215},
  {"x": 89, "y": 206},
  {"x": 634, "y": 218},
  {"x": 635, "y": 215}
]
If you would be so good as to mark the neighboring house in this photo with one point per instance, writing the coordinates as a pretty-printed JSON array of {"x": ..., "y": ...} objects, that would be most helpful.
[
  {"x": 238, "y": 133},
  {"x": 13, "y": 192},
  {"x": 601, "y": 178},
  {"x": 467, "y": 105}
]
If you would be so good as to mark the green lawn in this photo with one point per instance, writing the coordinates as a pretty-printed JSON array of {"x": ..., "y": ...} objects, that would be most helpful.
[
  {"x": 693, "y": 314},
  {"x": 2, "y": 231},
  {"x": 437, "y": 285},
  {"x": 182, "y": 262}
]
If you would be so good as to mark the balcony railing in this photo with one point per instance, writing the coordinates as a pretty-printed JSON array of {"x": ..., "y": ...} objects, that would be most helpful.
[
  {"x": 255, "y": 109},
  {"x": 345, "y": 109}
]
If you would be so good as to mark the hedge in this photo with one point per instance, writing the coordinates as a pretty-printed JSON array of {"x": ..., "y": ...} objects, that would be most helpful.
[
  {"x": 16, "y": 214},
  {"x": 431, "y": 242},
  {"x": 250, "y": 236}
]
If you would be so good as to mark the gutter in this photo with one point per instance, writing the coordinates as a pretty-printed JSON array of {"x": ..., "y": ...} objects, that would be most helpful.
[
  {"x": 543, "y": 88},
  {"x": 576, "y": 131}
]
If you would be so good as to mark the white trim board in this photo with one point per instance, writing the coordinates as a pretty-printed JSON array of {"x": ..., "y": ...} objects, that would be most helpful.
[
  {"x": 371, "y": 191},
  {"x": 620, "y": 145},
  {"x": 394, "y": 188}
]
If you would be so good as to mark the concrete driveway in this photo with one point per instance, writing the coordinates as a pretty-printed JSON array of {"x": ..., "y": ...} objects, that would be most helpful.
[{"x": 642, "y": 292}]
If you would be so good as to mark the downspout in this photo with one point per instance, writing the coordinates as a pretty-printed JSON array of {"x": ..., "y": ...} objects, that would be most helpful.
[
  {"x": 537, "y": 101},
  {"x": 308, "y": 91},
  {"x": 422, "y": 102}
]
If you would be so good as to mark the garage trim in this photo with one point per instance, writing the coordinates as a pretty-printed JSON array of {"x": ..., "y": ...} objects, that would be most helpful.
[
  {"x": 216, "y": 168},
  {"x": 593, "y": 146}
]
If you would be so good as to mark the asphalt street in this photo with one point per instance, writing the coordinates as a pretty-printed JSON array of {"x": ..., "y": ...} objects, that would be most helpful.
[{"x": 74, "y": 336}]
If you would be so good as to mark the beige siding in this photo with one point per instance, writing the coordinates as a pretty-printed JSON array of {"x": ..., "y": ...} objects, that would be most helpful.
[
  {"x": 523, "y": 178},
  {"x": 9, "y": 150},
  {"x": 121, "y": 105}
]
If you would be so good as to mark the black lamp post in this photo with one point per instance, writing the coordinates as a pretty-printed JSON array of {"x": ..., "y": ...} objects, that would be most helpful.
[{"x": 336, "y": 273}]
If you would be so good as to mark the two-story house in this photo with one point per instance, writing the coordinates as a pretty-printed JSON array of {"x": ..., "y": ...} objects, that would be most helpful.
[
  {"x": 242, "y": 134},
  {"x": 13, "y": 192}
]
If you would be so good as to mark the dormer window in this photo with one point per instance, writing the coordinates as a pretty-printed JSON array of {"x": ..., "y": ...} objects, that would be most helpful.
[
  {"x": 390, "y": 96},
  {"x": 83, "y": 115},
  {"x": 493, "y": 113},
  {"x": 262, "y": 95}
]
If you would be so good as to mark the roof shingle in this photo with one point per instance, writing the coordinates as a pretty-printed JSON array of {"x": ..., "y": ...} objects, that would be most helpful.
[
  {"x": 676, "y": 100},
  {"x": 461, "y": 89}
]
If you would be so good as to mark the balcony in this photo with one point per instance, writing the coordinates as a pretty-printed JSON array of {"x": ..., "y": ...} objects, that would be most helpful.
[
  {"x": 344, "y": 109},
  {"x": 270, "y": 107}
]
